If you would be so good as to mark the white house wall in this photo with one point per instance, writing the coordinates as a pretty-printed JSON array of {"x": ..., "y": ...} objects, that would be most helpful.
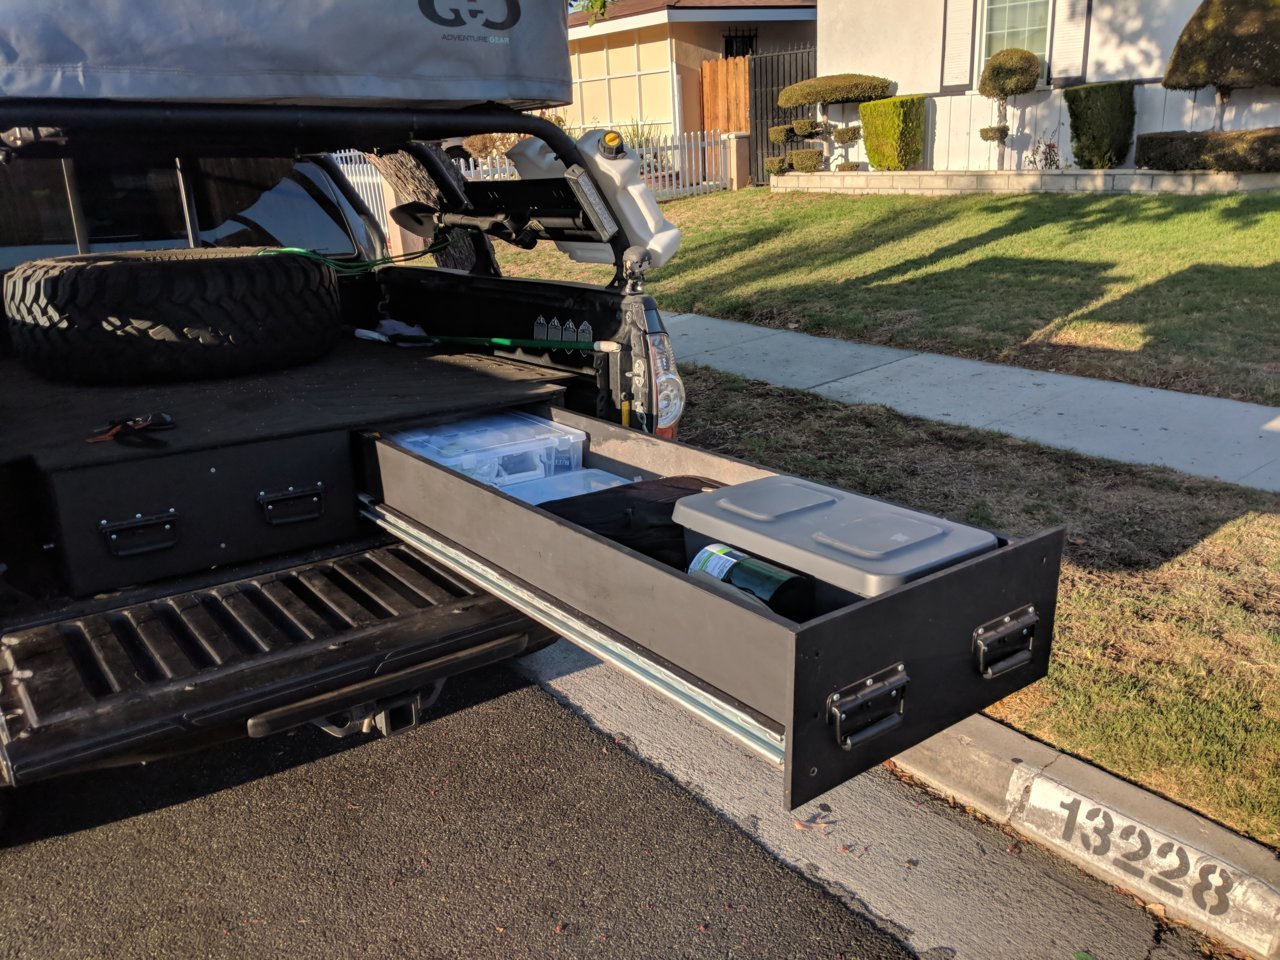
[{"x": 1126, "y": 40}]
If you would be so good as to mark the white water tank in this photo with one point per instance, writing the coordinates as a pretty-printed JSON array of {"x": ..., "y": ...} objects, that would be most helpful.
[{"x": 620, "y": 181}]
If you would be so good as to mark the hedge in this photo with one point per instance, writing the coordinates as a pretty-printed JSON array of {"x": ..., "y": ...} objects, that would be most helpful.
[
  {"x": 780, "y": 134},
  {"x": 893, "y": 131},
  {"x": 1009, "y": 73},
  {"x": 1234, "y": 151},
  {"x": 847, "y": 135},
  {"x": 775, "y": 165},
  {"x": 805, "y": 161},
  {"x": 1228, "y": 44},
  {"x": 838, "y": 88},
  {"x": 846, "y": 166},
  {"x": 997, "y": 134},
  {"x": 1101, "y": 123}
]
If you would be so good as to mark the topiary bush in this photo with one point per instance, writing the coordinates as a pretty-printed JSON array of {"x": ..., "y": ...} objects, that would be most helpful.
[
  {"x": 893, "y": 130},
  {"x": 1102, "y": 117},
  {"x": 847, "y": 135},
  {"x": 775, "y": 166},
  {"x": 807, "y": 127},
  {"x": 847, "y": 166},
  {"x": 996, "y": 134},
  {"x": 1009, "y": 73},
  {"x": 838, "y": 88},
  {"x": 1235, "y": 151},
  {"x": 781, "y": 134},
  {"x": 1228, "y": 44},
  {"x": 805, "y": 161}
]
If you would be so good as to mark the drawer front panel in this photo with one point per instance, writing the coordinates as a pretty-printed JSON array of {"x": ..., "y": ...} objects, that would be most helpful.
[{"x": 127, "y": 523}]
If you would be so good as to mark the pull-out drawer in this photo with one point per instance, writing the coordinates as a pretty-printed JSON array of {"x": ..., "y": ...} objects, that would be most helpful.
[{"x": 827, "y": 698}]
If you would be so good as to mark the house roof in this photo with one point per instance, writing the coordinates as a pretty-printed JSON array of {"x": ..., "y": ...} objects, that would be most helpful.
[{"x": 631, "y": 8}]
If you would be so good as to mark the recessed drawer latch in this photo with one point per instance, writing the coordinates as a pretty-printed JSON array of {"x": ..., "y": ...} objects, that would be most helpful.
[
  {"x": 293, "y": 505},
  {"x": 869, "y": 708},
  {"x": 141, "y": 534},
  {"x": 1005, "y": 643}
]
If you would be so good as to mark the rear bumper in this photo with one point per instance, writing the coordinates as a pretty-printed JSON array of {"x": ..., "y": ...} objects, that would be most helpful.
[{"x": 253, "y": 656}]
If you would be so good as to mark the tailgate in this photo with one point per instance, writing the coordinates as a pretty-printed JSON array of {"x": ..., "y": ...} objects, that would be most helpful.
[
  {"x": 267, "y": 652},
  {"x": 826, "y": 698}
]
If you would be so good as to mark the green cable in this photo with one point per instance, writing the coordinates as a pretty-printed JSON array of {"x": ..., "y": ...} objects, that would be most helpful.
[
  {"x": 515, "y": 342},
  {"x": 352, "y": 267}
]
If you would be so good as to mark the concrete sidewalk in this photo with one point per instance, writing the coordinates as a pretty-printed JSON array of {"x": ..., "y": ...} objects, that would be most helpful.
[{"x": 1202, "y": 436}]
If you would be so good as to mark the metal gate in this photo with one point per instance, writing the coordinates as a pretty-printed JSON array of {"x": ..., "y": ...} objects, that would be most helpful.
[{"x": 768, "y": 74}]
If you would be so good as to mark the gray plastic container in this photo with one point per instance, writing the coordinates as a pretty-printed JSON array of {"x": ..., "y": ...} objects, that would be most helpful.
[{"x": 855, "y": 543}]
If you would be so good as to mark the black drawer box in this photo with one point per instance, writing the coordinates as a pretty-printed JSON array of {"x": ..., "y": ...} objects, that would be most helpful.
[{"x": 133, "y": 521}]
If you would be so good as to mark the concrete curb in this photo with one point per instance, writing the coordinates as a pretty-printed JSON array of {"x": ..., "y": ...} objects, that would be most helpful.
[{"x": 1201, "y": 873}]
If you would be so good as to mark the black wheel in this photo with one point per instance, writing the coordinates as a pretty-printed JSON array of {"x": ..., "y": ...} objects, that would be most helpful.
[{"x": 170, "y": 314}]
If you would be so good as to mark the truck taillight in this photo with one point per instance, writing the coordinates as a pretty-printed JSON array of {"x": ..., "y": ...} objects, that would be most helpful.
[{"x": 668, "y": 388}]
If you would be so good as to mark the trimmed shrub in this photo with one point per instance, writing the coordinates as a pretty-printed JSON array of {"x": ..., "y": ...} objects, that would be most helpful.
[
  {"x": 838, "y": 88},
  {"x": 996, "y": 134},
  {"x": 1228, "y": 44},
  {"x": 1009, "y": 73},
  {"x": 893, "y": 131},
  {"x": 811, "y": 128},
  {"x": 847, "y": 135},
  {"x": 1101, "y": 123},
  {"x": 805, "y": 161},
  {"x": 781, "y": 134},
  {"x": 775, "y": 166},
  {"x": 1234, "y": 151},
  {"x": 847, "y": 166}
]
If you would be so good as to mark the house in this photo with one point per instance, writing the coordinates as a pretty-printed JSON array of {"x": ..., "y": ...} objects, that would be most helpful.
[
  {"x": 642, "y": 63},
  {"x": 938, "y": 47}
]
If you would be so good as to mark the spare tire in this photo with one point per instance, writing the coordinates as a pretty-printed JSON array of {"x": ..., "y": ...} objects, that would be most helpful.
[{"x": 154, "y": 315}]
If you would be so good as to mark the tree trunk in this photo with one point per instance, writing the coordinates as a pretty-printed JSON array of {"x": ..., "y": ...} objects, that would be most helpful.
[
  {"x": 409, "y": 180},
  {"x": 1002, "y": 120}
]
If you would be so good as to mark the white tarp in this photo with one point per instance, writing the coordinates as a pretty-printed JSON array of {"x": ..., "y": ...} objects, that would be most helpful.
[{"x": 306, "y": 52}]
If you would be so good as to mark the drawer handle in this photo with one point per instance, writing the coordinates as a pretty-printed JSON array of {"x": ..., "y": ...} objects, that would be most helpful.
[
  {"x": 1005, "y": 643},
  {"x": 292, "y": 505},
  {"x": 869, "y": 708},
  {"x": 129, "y": 538}
]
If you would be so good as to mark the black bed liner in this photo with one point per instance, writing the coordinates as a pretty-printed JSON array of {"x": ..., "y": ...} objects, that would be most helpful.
[{"x": 210, "y": 660}]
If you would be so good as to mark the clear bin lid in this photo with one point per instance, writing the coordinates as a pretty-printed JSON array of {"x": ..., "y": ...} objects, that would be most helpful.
[{"x": 496, "y": 435}]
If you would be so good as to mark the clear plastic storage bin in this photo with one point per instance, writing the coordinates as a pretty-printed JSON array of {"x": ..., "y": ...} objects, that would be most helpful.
[
  {"x": 501, "y": 449},
  {"x": 563, "y": 485}
]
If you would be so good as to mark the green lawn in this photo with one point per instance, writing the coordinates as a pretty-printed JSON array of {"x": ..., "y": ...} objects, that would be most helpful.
[
  {"x": 1180, "y": 292},
  {"x": 1166, "y": 662}
]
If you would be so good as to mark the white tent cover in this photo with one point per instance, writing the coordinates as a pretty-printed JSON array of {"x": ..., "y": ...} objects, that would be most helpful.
[{"x": 388, "y": 53}]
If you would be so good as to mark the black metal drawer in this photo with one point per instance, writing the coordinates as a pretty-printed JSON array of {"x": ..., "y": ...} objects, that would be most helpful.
[
  {"x": 130, "y": 522},
  {"x": 828, "y": 698}
]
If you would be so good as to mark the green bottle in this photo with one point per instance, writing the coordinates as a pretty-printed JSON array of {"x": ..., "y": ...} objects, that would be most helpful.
[{"x": 786, "y": 593}]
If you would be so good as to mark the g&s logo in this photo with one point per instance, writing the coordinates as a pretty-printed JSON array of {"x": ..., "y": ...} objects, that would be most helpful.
[{"x": 489, "y": 14}]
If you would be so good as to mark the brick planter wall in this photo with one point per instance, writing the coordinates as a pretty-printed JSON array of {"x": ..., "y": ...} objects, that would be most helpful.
[{"x": 945, "y": 182}]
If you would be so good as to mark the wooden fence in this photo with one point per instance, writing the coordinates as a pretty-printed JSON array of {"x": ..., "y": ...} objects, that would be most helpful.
[{"x": 726, "y": 95}]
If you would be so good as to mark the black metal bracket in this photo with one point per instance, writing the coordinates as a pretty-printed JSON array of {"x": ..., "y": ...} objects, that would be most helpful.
[
  {"x": 1005, "y": 643},
  {"x": 292, "y": 505},
  {"x": 872, "y": 706},
  {"x": 141, "y": 534}
]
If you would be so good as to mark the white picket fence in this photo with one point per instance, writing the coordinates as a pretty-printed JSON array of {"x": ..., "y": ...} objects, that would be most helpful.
[
  {"x": 366, "y": 180},
  {"x": 673, "y": 166}
]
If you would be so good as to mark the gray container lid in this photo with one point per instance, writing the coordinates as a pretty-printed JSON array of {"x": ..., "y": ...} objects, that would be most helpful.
[{"x": 857, "y": 543}]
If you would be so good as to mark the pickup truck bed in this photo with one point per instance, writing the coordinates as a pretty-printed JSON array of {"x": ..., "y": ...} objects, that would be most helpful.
[{"x": 128, "y": 672}]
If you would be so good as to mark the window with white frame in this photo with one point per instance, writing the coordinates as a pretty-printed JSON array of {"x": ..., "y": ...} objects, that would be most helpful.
[{"x": 1017, "y": 23}]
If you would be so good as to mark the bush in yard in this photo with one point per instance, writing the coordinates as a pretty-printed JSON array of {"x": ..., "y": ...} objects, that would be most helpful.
[
  {"x": 806, "y": 127},
  {"x": 781, "y": 134},
  {"x": 1101, "y": 123},
  {"x": 1236, "y": 151},
  {"x": 994, "y": 134},
  {"x": 893, "y": 131},
  {"x": 805, "y": 161},
  {"x": 847, "y": 166},
  {"x": 775, "y": 166},
  {"x": 1228, "y": 44},
  {"x": 837, "y": 88},
  {"x": 846, "y": 136}
]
